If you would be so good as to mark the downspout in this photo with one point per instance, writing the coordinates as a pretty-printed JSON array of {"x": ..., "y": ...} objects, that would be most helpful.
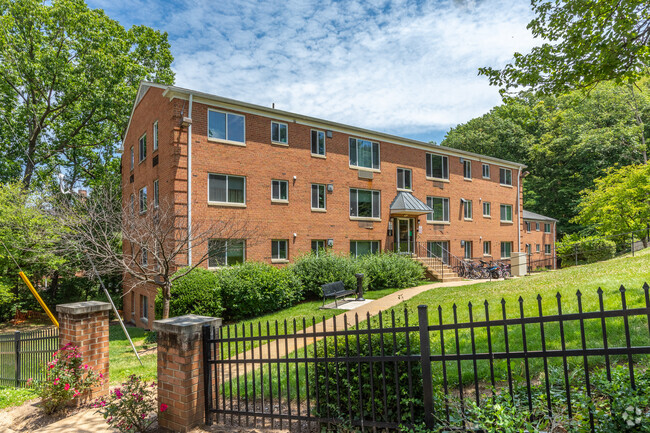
[
  {"x": 519, "y": 210},
  {"x": 189, "y": 186},
  {"x": 554, "y": 241}
]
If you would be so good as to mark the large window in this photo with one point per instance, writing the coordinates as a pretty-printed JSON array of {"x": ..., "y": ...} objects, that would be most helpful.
[
  {"x": 364, "y": 153},
  {"x": 317, "y": 142},
  {"x": 467, "y": 169},
  {"x": 467, "y": 209},
  {"x": 279, "y": 249},
  {"x": 360, "y": 248},
  {"x": 318, "y": 200},
  {"x": 279, "y": 133},
  {"x": 440, "y": 208},
  {"x": 226, "y": 126},
  {"x": 404, "y": 179},
  {"x": 156, "y": 194},
  {"x": 547, "y": 248},
  {"x": 318, "y": 246},
  {"x": 439, "y": 249},
  {"x": 506, "y": 213},
  {"x": 487, "y": 211},
  {"x": 142, "y": 145},
  {"x": 365, "y": 203},
  {"x": 143, "y": 200},
  {"x": 505, "y": 176},
  {"x": 487, "y": 248},
  {"x": 226, "y": 252},
  {"x": 467, "y": 249},
  {"x": 437, "y": 166},
  {"x": 155, "y": 135},
  {"x": 279, "y": 190},
  {"x": 547, "y": 228},
  {"x": 486, "y": 171},
  {"x": 506, "y": 250},
  {"x": 226, "y": 189},
  {"x": 144, "y": 307}
]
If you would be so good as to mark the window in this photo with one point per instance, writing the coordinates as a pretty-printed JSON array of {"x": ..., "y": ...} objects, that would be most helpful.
[
  {"x": 132, "y": 158},
  {"x": 132, "y": 204},
  {"x": 318, "y": 196},
  {"x": 317, "y": 142},
  {"x": 437, "y": 166},
  {"x": 404, "y": 179},
  {"x": 529, "y": 249},
  {"x": 440, "y": 208},
  {"x": 226, "y": 252},
  {"x": 361, "y": 248},
  {"x": 467, "y": 249},
  {"x": 439, "y": 249},
  {"x": 142, "y": 145},
  {"x": 467, "y": 209},
  {"x": 537, "y": 248},
  {"x": 155, "y": 135},
  {"x": 505, "y": 176},
  {"x": 132, "y": 304},
  {"x": 279, "y": 249},
  {"x": 506, "y": 250},
  {"x": 364, "y": 203},
  {"x": 279, "y": 133},
  {"x": 144, "y": 307},
  {"x": 486, "y": 171},
  {"x": 145, "y": 257},
  {"x": 536, "y": 226},
  {"x": 155, "y": 194},
  {"x": 506, "y": 213},
  {"x": 318, "y": 246},
  {"x": 547, "y": 248},
  {"x": 279, "y": 190},
  {"x": 547, "y": 228},
  {"x": 487, "y": 211},
  {"x": 467, "y": 169},
  {"x": 528, "y": 226},
  {"x": 364, "y": 153},
  {"x": 226, "y": 189},
  {"x": 143, "y": 200},
  {"x": 226, "y": 126},
  {"x": 487, "y": 248}
]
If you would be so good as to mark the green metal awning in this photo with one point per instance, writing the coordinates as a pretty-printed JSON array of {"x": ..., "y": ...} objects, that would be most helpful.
[{"x": 405, "y": 203}]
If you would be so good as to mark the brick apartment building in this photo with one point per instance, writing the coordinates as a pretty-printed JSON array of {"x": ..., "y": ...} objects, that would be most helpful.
[
  {"x": 313, "y": 184},
  {"x": 539, "y": 240}
]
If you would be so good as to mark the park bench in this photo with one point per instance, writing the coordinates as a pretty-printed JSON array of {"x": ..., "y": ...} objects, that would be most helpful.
[{"x": 335, "y": 290}]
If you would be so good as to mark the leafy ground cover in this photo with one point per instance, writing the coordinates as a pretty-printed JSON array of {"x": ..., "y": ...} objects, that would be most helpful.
[{"x": 10, "y": 396}]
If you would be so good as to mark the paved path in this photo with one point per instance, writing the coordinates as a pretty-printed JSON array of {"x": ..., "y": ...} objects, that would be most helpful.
[
  {"x": 274, "y": 351},
  {"x": 86, "y": 421}
]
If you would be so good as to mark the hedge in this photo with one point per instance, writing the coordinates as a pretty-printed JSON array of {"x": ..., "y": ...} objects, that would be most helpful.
[
  {"x": 326, "y": 267},
  {"x": 390, "y": 270},
  {"x": 589, "y": 249},
  {"x": 195, "y": 293}
]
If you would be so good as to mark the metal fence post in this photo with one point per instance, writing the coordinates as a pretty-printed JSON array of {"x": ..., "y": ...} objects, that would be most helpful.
[
  {"x": 575, "y": 249},
  {"x": 425, "y": 362},
  {"x": 17, "y": 357},
  {"x": 632, "y": 245},
  {"x": 207, "y": 372}
]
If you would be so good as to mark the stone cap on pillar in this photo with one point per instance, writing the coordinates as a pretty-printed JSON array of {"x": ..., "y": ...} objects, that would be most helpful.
[
  {"x": 83, "y": 307},
  {"x": 185, "y": 326}
]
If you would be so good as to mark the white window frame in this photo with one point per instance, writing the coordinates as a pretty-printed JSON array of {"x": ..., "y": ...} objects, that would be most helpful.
[
  {"x": 142, "y": 148},
  {"x": 374, "y": 247},
  {"x": 537, "y": 248},
  {"x": 372, "y": 154},
  {"x": 467, "y": 169},
  {"x": 279, "y": 199},
  {"x": 311, "y": 138},
  {"x": 286, "y": 135},
  {"x": 501, "y": 209},
  {"x": 226, "y": 140},
  {"x": 503, "y": 244},
  {"x": 489, "y": 209},
  {"x": 318, "y": 247},
  {"x": 404, "y": 172},
  {"x": 536, "y": 227},
  {"x": 155, "y": 135},
  {"x": 227, "y": 203},
  {"x": 142, "y": 200},
  {"x": 144, "y": 307},
  {"x": 484, "y": 171},
  {"x": 132, "y": 158},
  {"x": 429, "y": 166},
  {"x": 487, "y": 248},
  {"x": 467, "y": 249},
  {"x": 445, "y": 209},
  {"x": 547, "y": 249},
  {"x": 547, "y": 226},
  {"x": 467, "y": 210},
  {"x": 227, "y": 241},
  {"x": 527, "y": 226},
  {"x": 286, "y": 250},
  {"x": 502, "y": 176},
  {"x": 156, "y": 194},
  {"x": 372, "y": 203},
  {"x": 316, "y": 188}
]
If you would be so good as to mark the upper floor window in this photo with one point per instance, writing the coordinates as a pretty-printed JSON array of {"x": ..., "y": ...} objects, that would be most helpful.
[
  {"x": 279, "y": 190},
  {"x": 145, "y": 257},
  {"x": 467, "y": 169},
  {"x": 226, "y": 252},
  {"x": 143, "y": 200},
  {"x": 505, "y": 176},
  {"x": 132, "y": 204},
  {"x": 279, "y": 133},
  {"x": 547, "y": 228},
  {"x": 506, "y": 250},
  {"x": 142, "y": 145},
  {"x": 226, "y": 126},
  {"x": 132, "y": 158},
  {"x": 318, "y": 200},
  {"x": 487, "y": 211},
  {"x": 506, "y": 212},
  {"x": 528, "y": 226},
  {"x": 226, "y": 189},
  {"x": 437, "y": 166},
  {"x": 486, "y": 171},
  {"x": 547, "y": 248},
  {"x": 537, "y": 227},
  {"x": 365, "y": 203},
  {"x": 440, "y": 208},
  {"x": 156, "y": 199},
  {"x": 317, "y": 142},
  {"x": 364, "y": 153},
  {"x": 404, "y": 179},
  {"x": 467, "y": 209},
  {"x": 155, "y": 135}
]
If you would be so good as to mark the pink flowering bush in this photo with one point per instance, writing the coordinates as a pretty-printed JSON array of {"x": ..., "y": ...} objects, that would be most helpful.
[
  {"x": 130, "y": 408},
  {"x": 66, "y": 378}
]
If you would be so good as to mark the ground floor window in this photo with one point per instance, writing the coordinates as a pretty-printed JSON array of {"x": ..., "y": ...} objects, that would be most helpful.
[
  {"x": 226, "y": 252},
  {"x": 360, "y": 248},
  {"x": 547, "y": 249},
  {"x": 467, "y": 249},
  {"x": 438, "y": 249},
  {"x": 144, "y": 307},
  {"x": 279, "y": 249},
  {"x": 506, "y": 250},
  {"x": 318, "y": 246},
  {"x": 537, "y": 248},
  {"x": 487, "y": 248}
]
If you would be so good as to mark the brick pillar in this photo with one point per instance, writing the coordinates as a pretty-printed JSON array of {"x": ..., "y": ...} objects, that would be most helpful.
[
  {"x": 85, "y": 324},
  {"x": 180, "y": 370}
]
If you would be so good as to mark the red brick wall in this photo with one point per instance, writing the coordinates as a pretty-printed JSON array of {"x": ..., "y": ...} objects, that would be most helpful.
[{"x": 536, "y": 237}]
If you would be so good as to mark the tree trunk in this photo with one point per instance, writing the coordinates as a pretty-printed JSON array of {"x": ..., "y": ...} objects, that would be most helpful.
[
  {"x": 167, "y": 294},
  {"x": 54, "y": 287}
]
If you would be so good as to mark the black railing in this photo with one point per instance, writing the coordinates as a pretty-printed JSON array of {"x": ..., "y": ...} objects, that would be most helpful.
[
  {"x": 23, "y": 354},
  {"x": 440, "y": 261},
  {"x": 541, "y": 265},
  {"x": 387, "y": 371}
]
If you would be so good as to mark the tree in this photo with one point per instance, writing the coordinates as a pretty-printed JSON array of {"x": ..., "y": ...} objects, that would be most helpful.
[
  {"x": 619, "y": 202},
  {"x": 146, "y": 249},
  {"x": 68, "y": 78}
]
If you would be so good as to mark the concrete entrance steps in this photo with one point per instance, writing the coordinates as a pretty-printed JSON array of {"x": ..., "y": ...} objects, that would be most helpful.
[{"x": 437, "y": 269}]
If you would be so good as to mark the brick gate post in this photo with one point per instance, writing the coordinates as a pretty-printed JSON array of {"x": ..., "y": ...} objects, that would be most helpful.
[{"x": 180, "y": 370}]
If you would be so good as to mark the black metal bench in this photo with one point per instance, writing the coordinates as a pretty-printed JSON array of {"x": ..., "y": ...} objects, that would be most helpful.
[{"x": 335, "y": 290}]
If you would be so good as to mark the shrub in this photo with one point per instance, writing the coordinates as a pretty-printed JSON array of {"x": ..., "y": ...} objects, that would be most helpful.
[
  {"x": 66, "y": 377},
  {"x": 195, "y": 293},
  {"x": 589, "y": 249},
  {"x": 129, "y": 408},
  {"x": 252, "y": 289},
  {"x": 390, "y": 270},
  {"x": 326, "y": 267}
]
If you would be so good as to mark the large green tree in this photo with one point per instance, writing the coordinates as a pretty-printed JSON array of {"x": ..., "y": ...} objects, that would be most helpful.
[{"x": 68, "y": 78}]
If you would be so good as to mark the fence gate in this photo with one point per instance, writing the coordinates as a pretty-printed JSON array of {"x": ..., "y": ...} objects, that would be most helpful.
[{"x": 23, "y": 354}]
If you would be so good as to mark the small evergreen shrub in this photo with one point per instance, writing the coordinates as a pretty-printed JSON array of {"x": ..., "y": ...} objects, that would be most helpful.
[
  {"x": 390, "y": 270},
  {"x": 326, "y": 267},
  {"x": 195, "y": 293},
  {"x": 252, "y": 289}
]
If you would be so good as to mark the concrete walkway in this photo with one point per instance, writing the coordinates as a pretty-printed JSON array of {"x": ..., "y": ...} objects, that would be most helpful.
[{"x": 86, "y": 421}]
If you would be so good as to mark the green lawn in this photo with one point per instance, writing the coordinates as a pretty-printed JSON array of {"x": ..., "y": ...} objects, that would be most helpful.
[
  {"x": 11, "y": 396},
  {"x": 123, "y": 362}
]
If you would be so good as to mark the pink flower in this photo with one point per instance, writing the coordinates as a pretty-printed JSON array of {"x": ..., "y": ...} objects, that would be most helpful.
[
  {"x": 163, "y": 407},
  {"x": 144, "y": 415},
  {"x": 57, "y": 380},
  {"x": 118, "y": 393},
  {"x": 67, "y": 386},
  {"x": 85, "y": 366}
]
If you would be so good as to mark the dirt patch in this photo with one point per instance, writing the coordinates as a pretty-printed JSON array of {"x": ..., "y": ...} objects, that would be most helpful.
[{"x": 29, "y": 417}]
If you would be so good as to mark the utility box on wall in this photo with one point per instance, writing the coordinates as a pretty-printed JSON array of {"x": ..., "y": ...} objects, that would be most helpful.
[{"x": 518, "y": 264}]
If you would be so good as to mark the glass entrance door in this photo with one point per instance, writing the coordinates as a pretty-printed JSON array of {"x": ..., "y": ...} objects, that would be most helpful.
[{"x": 404, "y": 235}]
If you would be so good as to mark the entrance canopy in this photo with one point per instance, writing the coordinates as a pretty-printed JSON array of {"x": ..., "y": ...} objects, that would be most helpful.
[{"x": 405, "y": 203}]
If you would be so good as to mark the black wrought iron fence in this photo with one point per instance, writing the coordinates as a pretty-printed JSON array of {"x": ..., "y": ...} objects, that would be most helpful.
[
  {"x": 390, "y": 371},
  {"x": 23, "y": 353}
]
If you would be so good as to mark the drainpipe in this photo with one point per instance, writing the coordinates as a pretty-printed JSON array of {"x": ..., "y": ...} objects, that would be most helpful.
[
  {"x": 554, "y": 241},
  {"x": 189, "y": 186},
  {"x": 519, "y": 210}
]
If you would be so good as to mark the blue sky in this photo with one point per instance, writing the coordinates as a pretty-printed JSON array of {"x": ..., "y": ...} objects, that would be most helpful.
[{"x": 404, "y": 67}]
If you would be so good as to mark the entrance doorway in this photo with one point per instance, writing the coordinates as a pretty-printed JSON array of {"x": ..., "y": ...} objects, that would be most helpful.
[{"x": 404, "y": 235}]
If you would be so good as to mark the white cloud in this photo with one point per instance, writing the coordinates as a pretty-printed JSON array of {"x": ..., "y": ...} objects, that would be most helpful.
[{"x": 400, "y": 67}]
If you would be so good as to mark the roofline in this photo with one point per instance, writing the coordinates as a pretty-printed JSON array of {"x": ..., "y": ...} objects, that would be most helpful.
[{"x": 172, "y": 92}]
